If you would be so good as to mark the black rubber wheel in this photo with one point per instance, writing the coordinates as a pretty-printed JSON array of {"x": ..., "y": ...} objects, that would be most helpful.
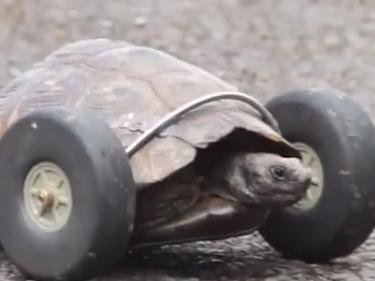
[
  {"x": 96, "y": 233},
  {"x": 343, "y": 137}
]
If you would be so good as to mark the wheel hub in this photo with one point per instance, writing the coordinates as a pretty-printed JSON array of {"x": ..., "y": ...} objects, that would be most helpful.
[
  {"x": 311, "y": 160},
  {"x": 47, "y": 196}
]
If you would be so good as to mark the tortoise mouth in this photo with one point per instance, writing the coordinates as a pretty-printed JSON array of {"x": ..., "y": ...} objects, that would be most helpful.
[
  {"x": 295, "y": 190},
  {"x": 281, "y": 197}
]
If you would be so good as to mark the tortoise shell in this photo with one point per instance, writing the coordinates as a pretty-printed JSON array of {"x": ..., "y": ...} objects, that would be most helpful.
[{"x": 132, "y": 87}]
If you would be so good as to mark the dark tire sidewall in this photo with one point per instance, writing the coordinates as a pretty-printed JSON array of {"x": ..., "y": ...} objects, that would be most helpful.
[
  {"x": 343, "y": 137},
  {"x": 84, "y": 149}
]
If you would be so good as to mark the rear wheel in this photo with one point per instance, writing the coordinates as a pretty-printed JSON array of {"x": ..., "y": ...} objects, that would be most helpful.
[
  {"x": 67, "y": 195},
  {"x": 337, "y": 140}
]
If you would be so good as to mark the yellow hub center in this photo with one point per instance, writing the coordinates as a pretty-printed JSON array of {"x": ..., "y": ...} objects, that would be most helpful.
[{"x": 47, "y": 196}]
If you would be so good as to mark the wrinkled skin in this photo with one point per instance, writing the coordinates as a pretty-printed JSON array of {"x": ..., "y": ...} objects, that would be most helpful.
[
  {"x": 260, "y": 179},
  {"x": 238, "y": 190}
]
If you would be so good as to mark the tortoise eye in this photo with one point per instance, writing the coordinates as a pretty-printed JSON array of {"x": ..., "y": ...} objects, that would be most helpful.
[{"x": 278, "y": 172}]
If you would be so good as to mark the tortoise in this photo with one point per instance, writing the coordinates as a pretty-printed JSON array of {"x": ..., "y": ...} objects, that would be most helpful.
[{"x": 108, "y": 146}]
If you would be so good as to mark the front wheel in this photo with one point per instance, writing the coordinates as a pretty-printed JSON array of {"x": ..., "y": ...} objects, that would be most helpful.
[
  {"x": 337, "y": 141},
  {"x": 67, "y": 196}
]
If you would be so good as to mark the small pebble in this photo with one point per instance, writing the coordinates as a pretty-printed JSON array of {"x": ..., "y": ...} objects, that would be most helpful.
[{"x": 140, "y": 21}]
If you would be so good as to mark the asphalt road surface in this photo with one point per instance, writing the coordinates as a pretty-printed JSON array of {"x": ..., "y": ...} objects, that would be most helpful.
[{"x": 264, "y": 47}]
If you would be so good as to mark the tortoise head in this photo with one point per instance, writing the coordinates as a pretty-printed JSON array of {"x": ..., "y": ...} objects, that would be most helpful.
[{"x": 269, "y": 179}]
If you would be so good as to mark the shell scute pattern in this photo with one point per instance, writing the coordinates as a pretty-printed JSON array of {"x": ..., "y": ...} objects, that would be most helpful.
[{"x": 131, "y": 87}]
